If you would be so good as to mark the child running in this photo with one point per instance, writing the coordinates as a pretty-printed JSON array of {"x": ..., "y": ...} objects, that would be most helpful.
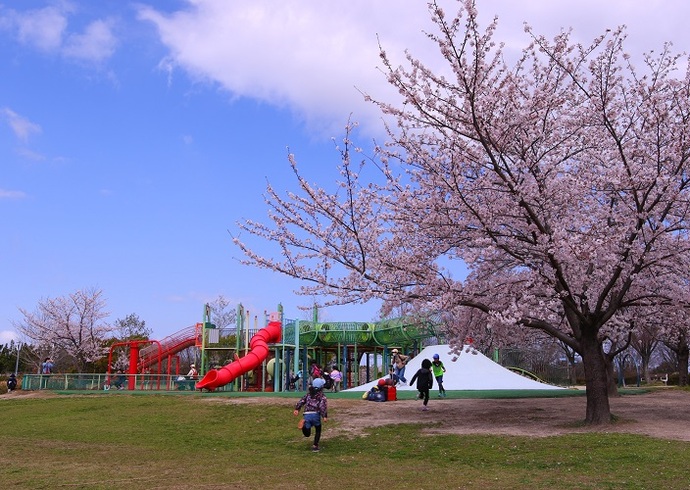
[
  {"x": 438, "y": 369},
  {"x": 425, "y": 381},
  {"x": 315, "y": 406}
]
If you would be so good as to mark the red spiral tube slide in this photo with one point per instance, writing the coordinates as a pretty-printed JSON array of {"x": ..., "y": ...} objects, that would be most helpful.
[{"x": 258, "y": 354}]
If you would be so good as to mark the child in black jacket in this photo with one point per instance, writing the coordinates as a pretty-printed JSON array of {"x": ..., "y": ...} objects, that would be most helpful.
[
  {"x": 425, "y": 380},
  {"x": 12, "y": 383}
]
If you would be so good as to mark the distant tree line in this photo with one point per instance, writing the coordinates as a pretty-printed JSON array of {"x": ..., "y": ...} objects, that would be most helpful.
[{"x": 73, "y": 331}]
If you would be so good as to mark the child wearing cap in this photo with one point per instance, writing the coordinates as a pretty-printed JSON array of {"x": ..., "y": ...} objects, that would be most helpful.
[
  {"x": 315, "y": 407},
  {"x": 438, "y": 369}
]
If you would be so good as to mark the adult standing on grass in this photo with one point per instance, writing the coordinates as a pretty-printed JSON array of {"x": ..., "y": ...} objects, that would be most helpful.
[
  {"x": 47, "y": 366},
  {"x": 425, "y": 381},
  {"x": 315, "y": 407},
  {"x": 399, "y": 361},
  {"x": 120, "y": 380},
  {"x": 438, "y": 369}
]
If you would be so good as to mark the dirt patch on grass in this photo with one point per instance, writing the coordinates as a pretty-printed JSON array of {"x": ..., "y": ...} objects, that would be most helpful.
[
  {"x": 662, "y": 414},
  {"x": 26, "y": 394}
]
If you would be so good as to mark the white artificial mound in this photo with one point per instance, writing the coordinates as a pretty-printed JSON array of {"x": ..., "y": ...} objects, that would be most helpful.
[{"x": 469, "y": 371}]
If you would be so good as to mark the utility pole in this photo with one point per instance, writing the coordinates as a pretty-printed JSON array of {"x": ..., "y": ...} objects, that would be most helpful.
[{"x": 16, "y": 363}]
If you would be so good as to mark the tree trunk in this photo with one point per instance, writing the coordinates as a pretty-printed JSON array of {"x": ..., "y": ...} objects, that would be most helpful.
[
  {"x": 573, "y": 371},
  {"x": 683, "y": 355},
  {"x": 645, "y": 370},
  {"x": 570, "y": 355},
  {"x": 597, "y": 381},
  {"x": 611, "y": 382}
]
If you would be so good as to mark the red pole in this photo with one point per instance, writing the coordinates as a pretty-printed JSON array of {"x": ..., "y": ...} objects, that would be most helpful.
[
  {"x": 110, "y": 363},
  {"x": 133, "y": 361}
]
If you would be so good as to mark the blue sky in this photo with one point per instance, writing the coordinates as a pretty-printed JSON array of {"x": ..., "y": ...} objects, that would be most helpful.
[{"x": 134, "y": 135}]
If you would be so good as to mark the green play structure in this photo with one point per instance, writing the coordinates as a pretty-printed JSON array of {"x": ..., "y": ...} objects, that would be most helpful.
[{"x": 359, "y": 349}]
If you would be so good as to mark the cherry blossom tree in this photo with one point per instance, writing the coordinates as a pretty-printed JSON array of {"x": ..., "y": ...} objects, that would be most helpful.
[
  {"x": 223, "y": 313},
  {"x": 648, "y": 327},
  {"x": 675, "y": 335},
  {"x": 571, "y": 358},
  {"x": 72, "y": 324},
  {"x": 560, "y": 181}
]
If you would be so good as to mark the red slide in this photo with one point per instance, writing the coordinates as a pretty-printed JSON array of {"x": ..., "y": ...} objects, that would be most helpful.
[{"x": 258, "y": 353}]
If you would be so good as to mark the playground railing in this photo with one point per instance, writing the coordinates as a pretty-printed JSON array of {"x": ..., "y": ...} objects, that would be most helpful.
[
  {"x": 169, "y": 342},
  {"x": 106, "y": 382}
]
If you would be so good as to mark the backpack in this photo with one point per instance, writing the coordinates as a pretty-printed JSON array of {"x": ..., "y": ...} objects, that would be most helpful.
[
  {"x": 328, "y": 380},
  {"x": 376, "y": 396}
]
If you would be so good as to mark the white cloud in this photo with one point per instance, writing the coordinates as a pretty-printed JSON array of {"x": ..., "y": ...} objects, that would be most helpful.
[
  {"x": 309, "y": 56},
  {"x": 6, "y": 336},
  {"x": 97, "y": 43},
  {"x": 21, "y": 126},
  {"x": 649, "y": 24},
  {"x": 8, "y": 194},
  {"x": 41, "y": 28},
  {"x": 28, "y": 154},
  {"x": 47, "y": 30}
]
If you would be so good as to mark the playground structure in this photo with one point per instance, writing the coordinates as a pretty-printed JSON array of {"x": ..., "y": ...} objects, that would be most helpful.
[
  {"x": 258, "y": 353},
  {"x": 250, "y": 357},
  {"x": 265, "y": 355},
  {"x": 361, "y": 350},
  {"x": 149, "y": 359},
  {"x": 247, "y": 357}
]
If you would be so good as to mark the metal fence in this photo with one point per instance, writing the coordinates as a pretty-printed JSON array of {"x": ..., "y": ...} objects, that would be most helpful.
[
  {"x": 113, "y": 381},
  {"x": 546, "y": 368}
]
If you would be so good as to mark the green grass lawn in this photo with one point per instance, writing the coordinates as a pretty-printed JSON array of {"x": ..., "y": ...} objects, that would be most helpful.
[{"x": 162, "y": 441}]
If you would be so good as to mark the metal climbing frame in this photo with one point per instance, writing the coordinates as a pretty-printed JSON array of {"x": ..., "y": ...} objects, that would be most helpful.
[
  {"x": 344, "y": 343},
  {"x": 396, "y": 332},
  {"x": 327, "y": 343}
]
